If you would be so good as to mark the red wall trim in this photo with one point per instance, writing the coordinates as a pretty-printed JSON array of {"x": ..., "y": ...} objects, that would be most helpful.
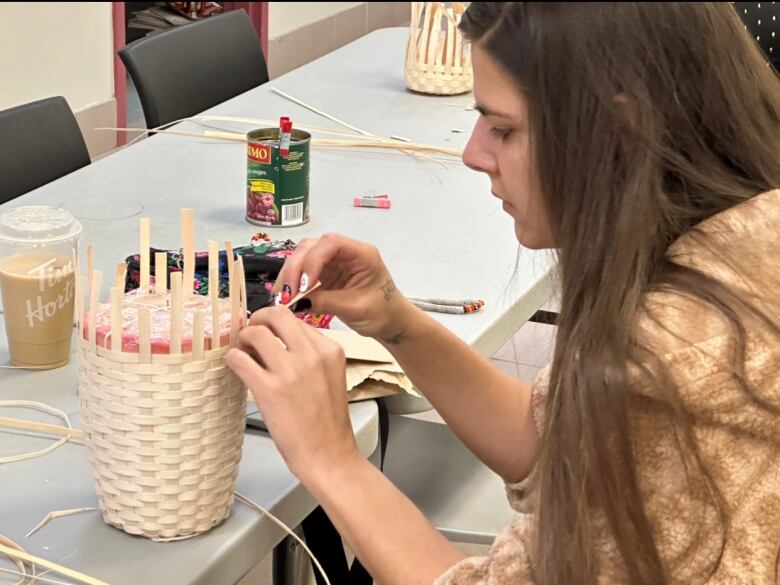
[
  {"x": 258, "y": 16},
  {"x": 120, "y": 81}
]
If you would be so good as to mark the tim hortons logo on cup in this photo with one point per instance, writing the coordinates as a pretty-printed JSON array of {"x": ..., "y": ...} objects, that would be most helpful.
[{"x": 48, "y": 276}]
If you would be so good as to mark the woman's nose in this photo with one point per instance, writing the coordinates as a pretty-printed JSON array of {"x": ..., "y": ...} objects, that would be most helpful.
[{"x": 478, "y": 154}]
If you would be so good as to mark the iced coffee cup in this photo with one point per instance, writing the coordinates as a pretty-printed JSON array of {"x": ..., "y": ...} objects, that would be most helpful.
[{"x": 38, "y": 249}]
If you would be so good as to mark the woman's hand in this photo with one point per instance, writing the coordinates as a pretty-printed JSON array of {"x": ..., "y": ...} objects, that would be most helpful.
[
  {"x": 297, "y": 377},
  {"x": 356, "y": 286}
]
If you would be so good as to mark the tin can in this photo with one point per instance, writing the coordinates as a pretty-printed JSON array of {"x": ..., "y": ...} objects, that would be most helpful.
[{"x": 277, "y": 187}]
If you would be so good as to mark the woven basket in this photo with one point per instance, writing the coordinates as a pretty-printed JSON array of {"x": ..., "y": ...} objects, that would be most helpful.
[
  {"x": 438, "y": 58},
  {"x": 163, "y": 439},
  {"x": 163, "y": 423}
]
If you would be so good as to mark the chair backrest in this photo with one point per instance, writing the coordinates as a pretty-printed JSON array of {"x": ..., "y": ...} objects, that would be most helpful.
[
  {"x": 39, "y": 142},
  {"x": 190, "y": 68}
]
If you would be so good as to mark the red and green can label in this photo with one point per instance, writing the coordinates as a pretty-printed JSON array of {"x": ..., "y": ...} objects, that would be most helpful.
[{"x": 277, "y": 187}]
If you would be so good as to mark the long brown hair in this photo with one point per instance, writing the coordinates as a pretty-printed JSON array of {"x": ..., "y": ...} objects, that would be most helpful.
[{"x": 645, "y": 119}]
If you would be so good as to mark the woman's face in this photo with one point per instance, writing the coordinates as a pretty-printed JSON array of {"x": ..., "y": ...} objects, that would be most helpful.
[{"x": 500, "y": 147}]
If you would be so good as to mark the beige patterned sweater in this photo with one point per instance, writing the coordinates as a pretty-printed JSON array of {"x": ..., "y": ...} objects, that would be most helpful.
[{"x": 739, "y": 442}]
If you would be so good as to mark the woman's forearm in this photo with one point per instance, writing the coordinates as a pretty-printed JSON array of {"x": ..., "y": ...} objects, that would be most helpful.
[{"x": 389, "y": 535}]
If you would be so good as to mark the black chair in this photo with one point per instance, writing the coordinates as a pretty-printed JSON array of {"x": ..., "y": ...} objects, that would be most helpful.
[
  {"x": 39, "y": 142},
  {"x": 762, "y": 19},
  {"x": 190, "y": 68}
]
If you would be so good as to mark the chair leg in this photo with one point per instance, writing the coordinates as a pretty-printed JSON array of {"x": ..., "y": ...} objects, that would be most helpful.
[
  {"x": 279, "y": 568},
  {"x": 290, "y": 564}
]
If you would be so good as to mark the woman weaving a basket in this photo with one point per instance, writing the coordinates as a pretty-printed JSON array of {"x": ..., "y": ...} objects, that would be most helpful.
[{"x": 640, "y": 141}]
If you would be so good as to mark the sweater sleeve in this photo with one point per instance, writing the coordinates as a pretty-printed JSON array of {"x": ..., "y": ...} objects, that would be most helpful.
[{"x": 506, "y": 563}]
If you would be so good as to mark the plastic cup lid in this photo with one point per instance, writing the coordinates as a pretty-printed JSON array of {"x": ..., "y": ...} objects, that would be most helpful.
[{"x": 37, "y": 225}]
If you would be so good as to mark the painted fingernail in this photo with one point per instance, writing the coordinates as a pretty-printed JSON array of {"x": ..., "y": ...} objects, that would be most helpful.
[
  {"x": 304, "y": 286},
  {"x": 278, "y": 298},
  {"x": 286, "y": 293}
]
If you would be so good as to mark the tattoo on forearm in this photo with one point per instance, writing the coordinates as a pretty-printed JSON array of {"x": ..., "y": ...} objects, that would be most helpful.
[
  {"x": 388, "y": 288},
  {"x": 396, "y": 340}
]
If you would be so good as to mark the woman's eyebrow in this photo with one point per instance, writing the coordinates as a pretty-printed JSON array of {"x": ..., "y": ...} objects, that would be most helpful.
[{"x": 488, "y": 111}]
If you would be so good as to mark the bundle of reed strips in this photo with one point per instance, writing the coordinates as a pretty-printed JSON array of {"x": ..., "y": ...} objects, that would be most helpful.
[
  {"x": 163, "y": 422},
  {"x": 352, "y": 137},
  {"x": 355, "y": 141},
  {"x": 438, "y": 58}
]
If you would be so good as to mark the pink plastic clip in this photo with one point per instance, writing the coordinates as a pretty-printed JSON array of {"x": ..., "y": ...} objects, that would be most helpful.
[
  {"x": 285, "y": 134},
  {"x": 379, "y": 201}
]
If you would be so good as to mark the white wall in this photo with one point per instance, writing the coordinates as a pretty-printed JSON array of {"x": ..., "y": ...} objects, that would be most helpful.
[
  {"x": 284, "y": 17},
  {"x": 56, "y": 48}
]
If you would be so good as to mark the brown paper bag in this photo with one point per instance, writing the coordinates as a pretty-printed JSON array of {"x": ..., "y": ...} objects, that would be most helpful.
[{"x": 371, "y": 370}]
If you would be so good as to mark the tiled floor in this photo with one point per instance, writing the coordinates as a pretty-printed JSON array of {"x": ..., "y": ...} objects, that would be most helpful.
[{"x": 530, "y": 349}]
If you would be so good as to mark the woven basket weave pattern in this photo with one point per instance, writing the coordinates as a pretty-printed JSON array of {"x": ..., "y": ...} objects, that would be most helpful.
[
  {"x": 164, "y": 439},
  {"x": 433, "y": 79}
]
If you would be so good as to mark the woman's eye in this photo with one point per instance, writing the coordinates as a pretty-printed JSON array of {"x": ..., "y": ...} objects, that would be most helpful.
[{"x": 501, "y": 133}]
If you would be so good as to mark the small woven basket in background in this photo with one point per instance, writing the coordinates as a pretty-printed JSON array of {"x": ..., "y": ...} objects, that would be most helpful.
[{"x": 438, "y": 58}]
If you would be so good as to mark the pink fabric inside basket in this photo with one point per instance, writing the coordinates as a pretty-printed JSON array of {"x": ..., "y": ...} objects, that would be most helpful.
[{"x": 160, "y": 322}]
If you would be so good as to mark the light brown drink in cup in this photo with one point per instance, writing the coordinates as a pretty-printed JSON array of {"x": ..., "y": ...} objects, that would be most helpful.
[
  {"x": 38, "y": 252},
  {"x": 38, "y": 295}
]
